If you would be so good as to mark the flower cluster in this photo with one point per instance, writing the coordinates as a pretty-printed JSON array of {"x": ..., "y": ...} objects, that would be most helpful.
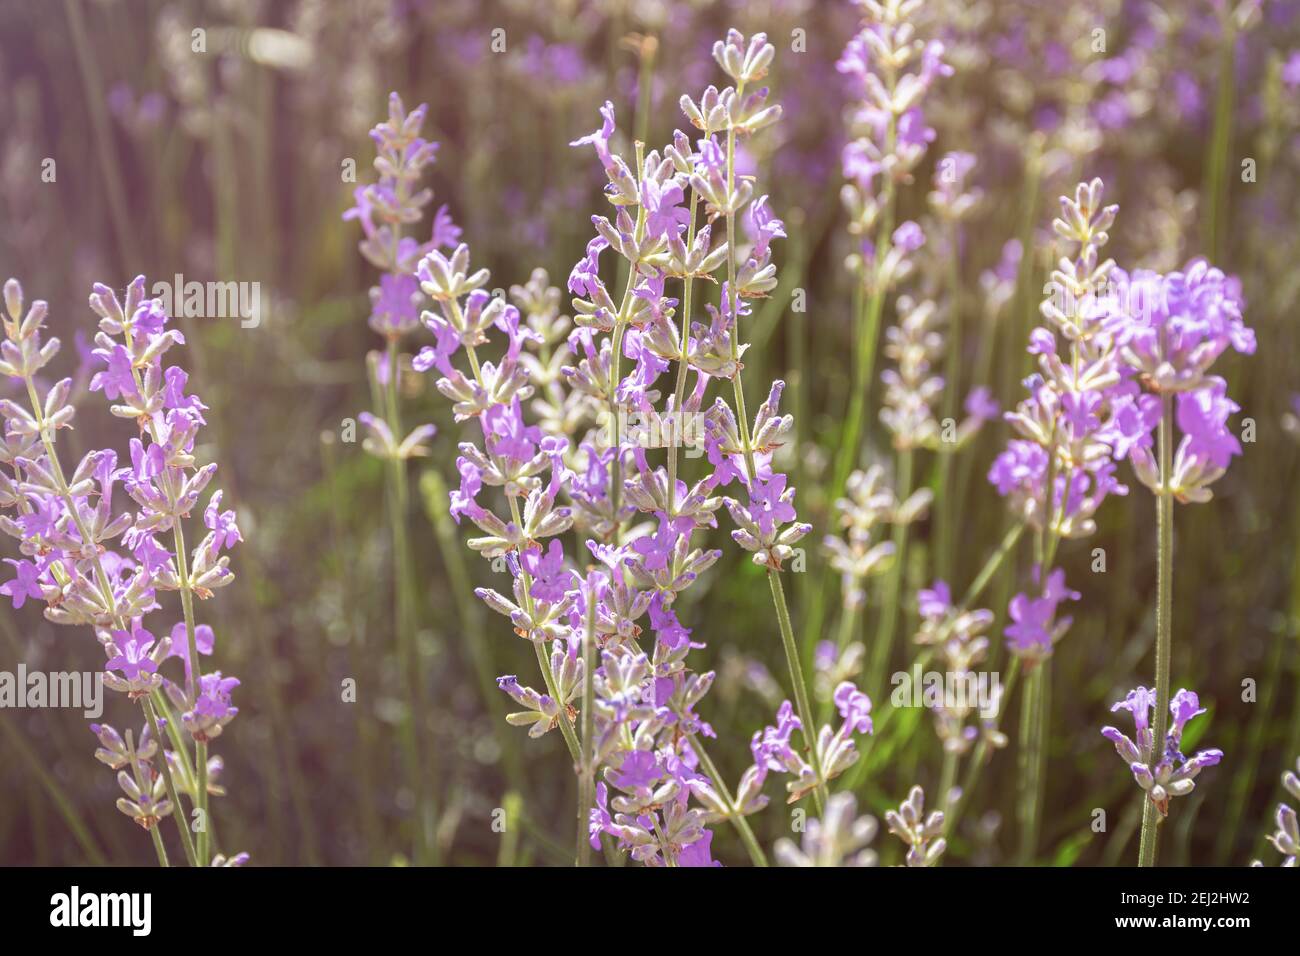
[
  {"x": 96, "y": 564},
  {"x": 923, "y": 835},
  {"x": 958, "y": 636},
  {"x": 839, "y": 838},
  {"x": 582, "y": 462},
  {"x": 858, "y": 556},
  {"x": 146, "y": 796},
  {"x": 384, "y": 209},
  {"x": 911, "y": 390},
  {"x": 1163, "y": 773},
  {"x": 396, "y": 200},
  {"x": 1176, "y": 327},
  {"x": 890, "y": 71},
  {"x": 835, "y": 752},
  {"x": 1081, "y": 414},
  {"x": 1286, "y": 838}
]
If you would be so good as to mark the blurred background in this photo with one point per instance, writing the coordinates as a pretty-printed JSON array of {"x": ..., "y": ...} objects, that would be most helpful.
[{"x": 230, "y": 164}]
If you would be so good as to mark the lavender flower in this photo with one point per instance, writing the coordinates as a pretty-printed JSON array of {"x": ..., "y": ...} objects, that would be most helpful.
[
  {"x": 1167, "y": 773},
  {"x": 838, "y": 838},
  {"x": 1286, "y": 838},
  {"x": 98, "y": 567},
  {"x": 923, "y": 835},
  {"x": 835, "y": 751}
]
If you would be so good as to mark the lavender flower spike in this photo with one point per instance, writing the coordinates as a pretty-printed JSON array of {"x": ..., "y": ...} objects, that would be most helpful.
[{"x": 1166, "y": 774}]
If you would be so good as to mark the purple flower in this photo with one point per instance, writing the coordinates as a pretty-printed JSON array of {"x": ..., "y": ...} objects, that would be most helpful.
[
  {"x": 25, "y": 584},
  {"x": 225, "y": 533},
  {"x": 129, "y": 655},
  {"x": 507, "y": 435},
  {"x": 116, "y": 380},
  {"x": 771, "y": 747},
  {"x": 212, "y": 709},
  {"x": 981, "y": 405},
  {"x": 934, "y": 603},
  {"x": 1203, "y": 417},
  {"x": 639, "y": 768},
  {"x": 600, "y": 138},
  {"x": 908, "y": 237},
  {"x": 1164, "y": 773},
  {"x": 550, "y": 580},
  {"x": 204, "y": 640},
  {"x": 763, "y": 226},
  {"x": 662, "y": 202},
  {"x": 1291, "y": 70},
  {"x": 394, "y": 304},
  {"x": 471, "y": 483},
  {"x": 854, "y": 706},
  {"x": 585, "y": 278},
  {"x": 1035, "y": 629},
  {"x": 446, "y": 234}
]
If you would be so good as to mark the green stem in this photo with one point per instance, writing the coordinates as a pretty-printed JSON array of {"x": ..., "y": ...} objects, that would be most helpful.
[
  {"x": 196, "y": 673},
  {"x": 800, "y": 688},
  {"x": 615, "y": 362},
  {"x": 1151, "y": 817},
  {"x": 177, "y": 811},
  {"x": 679, "y": 390},
  {"x": 894, "y": 584},
  {"x": 1031, "y": 760},
  {"x": 867, "y": 324},
  {"x": 404, "y": 612},
  {"x": 566, "y": 728},
  {"x": 158, "y": 846},
  {"x": 980, "y": 757},
  {"x": 1220, "y": 145},
  {"x": 587, "y": 772},
  {"x": 945, "y": 511},
  {"x": 947, "y": 777}
]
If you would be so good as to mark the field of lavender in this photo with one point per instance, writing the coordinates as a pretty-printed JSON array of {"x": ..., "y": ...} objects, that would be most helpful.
[{"x": 663, "y": 433}]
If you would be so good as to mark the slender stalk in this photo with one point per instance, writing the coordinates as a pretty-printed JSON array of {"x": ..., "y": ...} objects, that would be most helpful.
[
  {"x": 471, "y": 620},
  {"x": 894, "y": 584},
  {"x": 566, "y": 728},
  {"x": 615, "y": 362},
  {"x": 93, "y": 84},
  {"x": 366, "y": 777},
  {"x": 1030, "y": 762},
  {"x": 980, "y": 758},
  {"x": 1151, "y": 817},
  {"x": 158, "y": 846},
  {"x": 737, "y": 819},
  {"x": 742, "y": 418},
  {"x": 947, "y": 502},
  {"x": 195, "y": 674},
  {"x": 177, "y": 811},
  {"x": 404, "y": 601},
  {"x": 800, "y": 688},
  {"x": 587, "y": 774},
  {"x": 1221, "y": 144},
  {"x": 679, "y": 390},
  {"x": 868, "y": 323}
]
